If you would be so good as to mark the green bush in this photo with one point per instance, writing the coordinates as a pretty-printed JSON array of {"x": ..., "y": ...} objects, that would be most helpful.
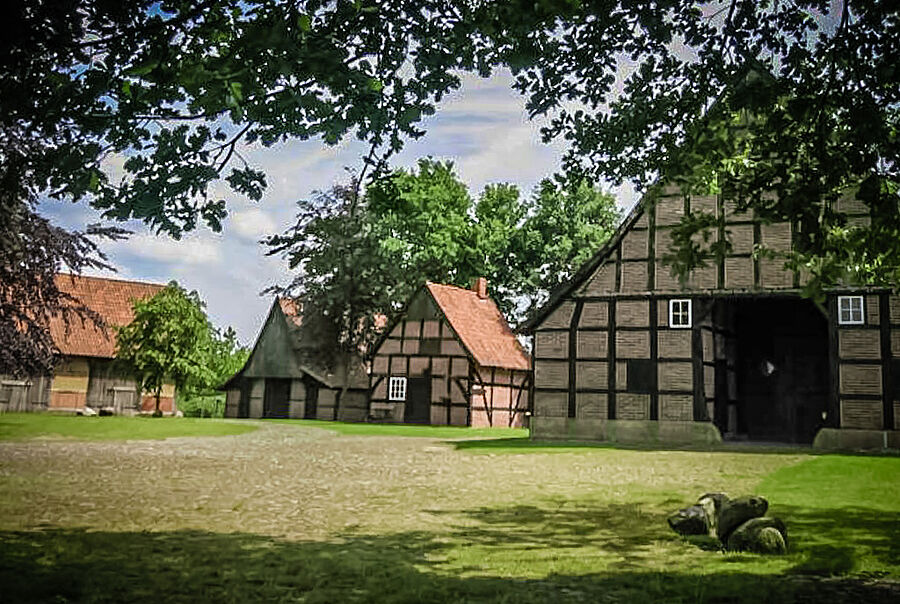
[{"x": 210, "y": 405}]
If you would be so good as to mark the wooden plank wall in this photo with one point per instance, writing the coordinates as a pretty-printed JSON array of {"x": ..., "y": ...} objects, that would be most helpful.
[
  {"x": 31, "y": 393},
  {"x": 232, "y": 401},
  {"x": 890, "y": 346},
  {"x": 105, "y": 375},
  {"x": 354, "y": 406}
]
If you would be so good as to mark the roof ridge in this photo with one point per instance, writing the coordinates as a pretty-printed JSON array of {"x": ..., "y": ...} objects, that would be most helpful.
[
  {"x": 450, "y": 285},
  {"x": 117, "y": 280}
]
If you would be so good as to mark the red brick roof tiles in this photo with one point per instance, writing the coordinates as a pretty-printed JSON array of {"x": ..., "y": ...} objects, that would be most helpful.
[
  {"x": 480, "y": 326},
  {"x": 111, "y": 299}
]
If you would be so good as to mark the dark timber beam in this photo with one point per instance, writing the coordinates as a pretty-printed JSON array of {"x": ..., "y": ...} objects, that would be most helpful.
[
  {"x": 887, "y": 380},
  {"x": 573, "y": 354},
  {"x": 611, "y": 355}
]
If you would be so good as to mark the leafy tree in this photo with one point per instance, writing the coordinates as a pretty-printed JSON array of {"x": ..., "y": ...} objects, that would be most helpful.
[
  {"x": 169, "y": 339},
  {"x": 743, "y": 97},
  {"x": 500, "y": 241},
  {"x": 358, "y": 259},
  {"x": 566, "y": 224},
  {"x": 421, "y": 219},
  {"x": 177, "y": 88},
  {"x": 32, "y": 252},
  {"x": 224, "y": 357},
  {"x": 340, "y": 271}
]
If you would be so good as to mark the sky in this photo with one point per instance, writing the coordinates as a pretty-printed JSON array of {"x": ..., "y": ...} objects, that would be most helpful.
[{"x": 483, "y": 128}]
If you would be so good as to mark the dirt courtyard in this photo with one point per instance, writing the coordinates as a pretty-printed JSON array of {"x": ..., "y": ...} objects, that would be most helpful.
[
  {"x": 309, "y": 483},
  {"x": 300, "y": 513}
]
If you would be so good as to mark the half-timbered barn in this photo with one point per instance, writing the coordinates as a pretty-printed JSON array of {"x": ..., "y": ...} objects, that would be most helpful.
[
  {"x": 450, "y": 358},
  {"x": 86, "y": 374},
  {"x": 287, "y": 374},
  {"x": 626, "y": 352}
]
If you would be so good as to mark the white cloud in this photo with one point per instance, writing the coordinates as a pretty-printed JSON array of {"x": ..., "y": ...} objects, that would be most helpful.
[
  {"x": 196, "y": 249},
  {"x": 252, "y": 224}
]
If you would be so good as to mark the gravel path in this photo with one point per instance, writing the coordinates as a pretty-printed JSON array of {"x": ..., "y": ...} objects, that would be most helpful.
[{"x": 310, "y": 483}]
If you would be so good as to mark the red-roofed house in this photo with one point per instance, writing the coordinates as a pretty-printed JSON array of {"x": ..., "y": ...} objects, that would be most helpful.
[
  {"x": 450, "y": 358},
  {"x": 86, "y": 374}
]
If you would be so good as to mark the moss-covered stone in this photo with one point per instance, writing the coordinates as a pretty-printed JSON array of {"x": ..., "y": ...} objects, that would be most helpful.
[
  {"x": 761, "y": 535},
  {"x": 712, "y": 504},
  {"x": 735, "y": 512},
  {"x": 690, "y": 521}
]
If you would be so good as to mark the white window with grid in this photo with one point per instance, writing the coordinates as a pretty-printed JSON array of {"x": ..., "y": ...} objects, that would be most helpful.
[
  {"x": 680, "y": 313},
  {"x": 850, "y": 310},
  {"x": 397, "y": 389}
]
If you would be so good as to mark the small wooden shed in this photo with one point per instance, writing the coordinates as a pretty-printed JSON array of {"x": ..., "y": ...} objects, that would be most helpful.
[
  {"x": 625, "y": 352},
  {"x": 450, "y": 358},
  {"x": 288, "y": 376},
  {"x": 86, "y": 374}
]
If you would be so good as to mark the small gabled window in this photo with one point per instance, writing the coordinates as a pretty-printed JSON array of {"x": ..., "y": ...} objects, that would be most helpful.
[
  {"x": 397, "y": 389},
  {"x": 850, "y": 310},
  {"x": 680, "y": 313}
]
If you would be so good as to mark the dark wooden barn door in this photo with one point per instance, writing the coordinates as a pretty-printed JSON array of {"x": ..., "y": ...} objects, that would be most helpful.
[
  {"x": 782, "y": 369},
  {"x": 277, "y": 398},
  {"x": 244, "y": 400},
  {"x": 418, "y": 401},
  {"x": 311, "y": 408}
]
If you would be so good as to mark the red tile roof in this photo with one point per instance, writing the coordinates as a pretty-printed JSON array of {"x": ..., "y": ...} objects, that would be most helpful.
[
  {"x": 480, "y": 326},
  {"x": 291, "y": 309},
  {"x": 111, "y": 299}
]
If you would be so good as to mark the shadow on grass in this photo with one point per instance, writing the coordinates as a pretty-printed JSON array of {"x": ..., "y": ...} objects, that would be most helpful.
[
  {"x": 624, "y": 530},
  {"x": 190, "y": 566},
  {"x": 835, "y": 541}
]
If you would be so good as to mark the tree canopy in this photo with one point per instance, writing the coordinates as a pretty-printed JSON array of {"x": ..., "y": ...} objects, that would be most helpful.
[
  {"x": 743, "y": 97},
  {"x": 357, "y": 257},
  {"x": 176, "y": 85}
]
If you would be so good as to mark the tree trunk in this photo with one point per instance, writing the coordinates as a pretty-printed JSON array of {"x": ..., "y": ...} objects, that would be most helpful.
[{"x": 157, "y": 412}]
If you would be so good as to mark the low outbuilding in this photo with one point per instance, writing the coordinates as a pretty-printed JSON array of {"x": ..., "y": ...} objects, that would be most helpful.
[
  {"x": 289, "y": 374},
  {"x": 86, "y": 374}
]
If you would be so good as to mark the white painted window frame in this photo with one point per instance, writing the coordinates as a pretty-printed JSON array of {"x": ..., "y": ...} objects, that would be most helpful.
[
  {"x": 672, "y": 314},
  {"x": 397, "y": 388},
  {"x": 851, "y": 310}
]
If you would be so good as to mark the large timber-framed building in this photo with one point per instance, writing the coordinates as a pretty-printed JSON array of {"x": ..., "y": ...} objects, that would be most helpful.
[{"x": 626, "y": 352}]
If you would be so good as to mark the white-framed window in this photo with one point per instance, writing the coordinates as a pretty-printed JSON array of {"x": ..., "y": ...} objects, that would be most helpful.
[
  {"x": 680, "y": 313},
  {"x": 850, "y": 310},
  {"x": 397, "y": 389}
]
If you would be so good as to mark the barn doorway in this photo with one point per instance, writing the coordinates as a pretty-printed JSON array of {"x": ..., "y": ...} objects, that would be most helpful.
[
  {"x": 311, "y": 407},
  {"x": 277, "y": 398},
  {"x": 244, "y": 400},
  {"x": 418, "y": 401},
  {"x": 781, "y": 367}
]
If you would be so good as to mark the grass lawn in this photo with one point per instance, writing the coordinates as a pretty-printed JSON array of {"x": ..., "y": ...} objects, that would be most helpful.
[
  {"x": 18, "y": 426},
  {"x": 290, "y": 513},
  {"x": 442, "y": 432}
]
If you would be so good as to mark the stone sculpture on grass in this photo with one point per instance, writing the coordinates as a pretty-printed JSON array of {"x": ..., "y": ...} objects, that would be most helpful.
[{"x": 738, "y": 524}]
